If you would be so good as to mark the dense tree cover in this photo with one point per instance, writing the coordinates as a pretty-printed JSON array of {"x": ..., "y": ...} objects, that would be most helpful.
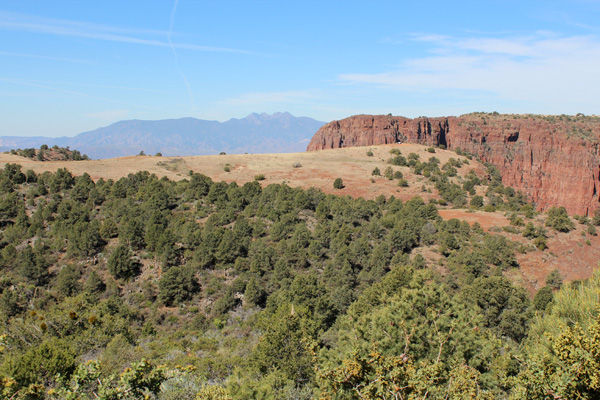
[{"x": 272, "y": 293}]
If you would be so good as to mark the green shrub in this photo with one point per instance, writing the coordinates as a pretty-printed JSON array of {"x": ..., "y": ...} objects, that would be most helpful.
[
  {"x": 389, "y": 173},
  {"x": 558, "y": 219},
  {"x": 338, "y": 183},
  {"x": 541, "y": 243},
  {"x": 399, "y": 160},
  {"x": 591, "y": 230},
  {"x": 177, "y": 285},
  {"x": 476, "y": 201},
  {"x": 121, "y": 264},
  {"x": 554, "y": 279},
  {"x": 543, "y": 298}
]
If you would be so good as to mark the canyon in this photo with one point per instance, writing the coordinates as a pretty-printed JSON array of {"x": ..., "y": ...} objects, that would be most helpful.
[{"x": 554, "y": 160}]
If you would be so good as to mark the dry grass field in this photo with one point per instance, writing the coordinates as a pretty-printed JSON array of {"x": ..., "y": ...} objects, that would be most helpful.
[{"x": 310, "y": 169}]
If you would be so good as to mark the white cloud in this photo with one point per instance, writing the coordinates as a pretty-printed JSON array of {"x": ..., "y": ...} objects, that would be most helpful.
[
  {"x": 539, "y": 69},
  {"x": 30, "y": 23}
]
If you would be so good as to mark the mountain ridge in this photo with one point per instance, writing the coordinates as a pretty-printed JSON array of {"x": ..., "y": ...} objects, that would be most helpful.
[{"x": 256, "y": 133}]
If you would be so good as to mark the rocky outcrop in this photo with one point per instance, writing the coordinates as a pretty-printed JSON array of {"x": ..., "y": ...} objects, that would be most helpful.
[{"x": 553, "y": 159}]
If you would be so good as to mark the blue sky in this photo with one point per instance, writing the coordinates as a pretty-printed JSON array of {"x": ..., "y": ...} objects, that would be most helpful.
[{"x": 72, "y": 66}]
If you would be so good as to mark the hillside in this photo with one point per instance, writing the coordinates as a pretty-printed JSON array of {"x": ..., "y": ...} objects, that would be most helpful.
[
  {"x": 553, "y": 159},
  {"x": 257, "y": 133},
  {"x": 305, "y": 170},
  {"x": 355, "y": 166},
  {"x": 45, "y": 153},
  {"x": 126, "y": 281}
]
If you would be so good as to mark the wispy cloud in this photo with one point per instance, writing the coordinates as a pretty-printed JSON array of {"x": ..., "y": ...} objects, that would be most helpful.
[
  {"x": 75, "y": 60},
  {"x": 72, "y": 92},
  {"x": 542, "y": 68},
  {"x": 30, "y": 23},
  {"x": 79, "y": 84},
  {"x": 169, "y": 34}
]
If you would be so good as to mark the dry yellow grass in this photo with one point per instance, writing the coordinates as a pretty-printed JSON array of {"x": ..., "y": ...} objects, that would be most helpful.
[{"x": 310, "y": 169}]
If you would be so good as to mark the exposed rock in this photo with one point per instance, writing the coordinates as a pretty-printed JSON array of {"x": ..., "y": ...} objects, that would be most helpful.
[{"x": 553, "y": 159}]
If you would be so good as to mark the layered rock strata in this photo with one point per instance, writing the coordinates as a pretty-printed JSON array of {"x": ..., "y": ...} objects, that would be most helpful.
[{"x": 555, "y": 160}]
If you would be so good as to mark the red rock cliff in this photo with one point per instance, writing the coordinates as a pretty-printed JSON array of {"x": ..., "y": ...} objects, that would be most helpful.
[{"x": 553, "y": 159}]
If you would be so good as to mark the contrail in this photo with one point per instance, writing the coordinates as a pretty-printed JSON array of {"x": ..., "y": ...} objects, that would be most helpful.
[{"x": 187, "y": 84}]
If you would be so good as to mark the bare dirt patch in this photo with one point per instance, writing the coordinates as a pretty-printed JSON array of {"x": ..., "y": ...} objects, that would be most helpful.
[{"x": 485, "y": 219}]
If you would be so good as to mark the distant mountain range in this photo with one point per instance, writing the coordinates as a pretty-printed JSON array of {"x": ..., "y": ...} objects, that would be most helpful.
[{"x": 257, "y": 133}]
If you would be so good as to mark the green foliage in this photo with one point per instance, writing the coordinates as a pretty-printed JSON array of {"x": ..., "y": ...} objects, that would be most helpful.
[
  {"x": 94, "y": 283},
  {"x": 32, "y": 265},
  {"x": 554, "y": 279},
  {"x": 558, "y": 219},
  {"x": 476, "y": 201},
  {"x": 285, "y": 346},
  {"x": 263, "y": 290},
  {"x": 503, "y": 306},
  {"x": 596, "y": 218},
  {"x": 417, "y": 331},
  {"x": 109, "y": 229},
  {"x": 563, "y": 351},
  {"x": 121, "y": 265},
  {"x": 399, "y": 160},
  {"x": 9, "y": 302},
  {"x": 67, "y": 281},
  {"x": 389, "y": 173},
  {"x": 177, "y": 285},
  {"x": 543, "y": 298},
  {"x": 141, "y": 380},
  {"x": 40, "y": 364},
  {"x": 540, "y": 242},
  {"x": 85, "y": 239},
  {"x": 254, "y": 293},
  {"x": 377, "y": 376},
  {"x": 338, "y": 183}
]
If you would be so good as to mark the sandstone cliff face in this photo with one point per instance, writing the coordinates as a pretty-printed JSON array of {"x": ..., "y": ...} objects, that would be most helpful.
[{"x": 555, "y": 160}]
